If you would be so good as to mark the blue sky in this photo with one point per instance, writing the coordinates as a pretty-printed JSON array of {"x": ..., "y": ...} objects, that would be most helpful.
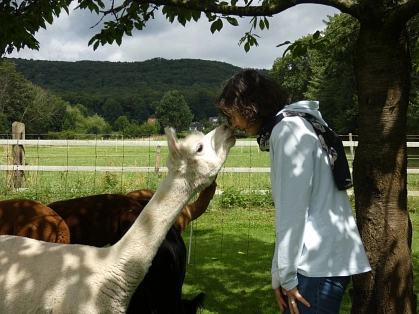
[{"x": 67, "y": 39}]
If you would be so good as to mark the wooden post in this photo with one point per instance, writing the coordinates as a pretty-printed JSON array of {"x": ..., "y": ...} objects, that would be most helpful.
[
  {"x": 158, "y": 159},
  {"x": 351, "y": 146},
  {"x": 18, "y": 133}
]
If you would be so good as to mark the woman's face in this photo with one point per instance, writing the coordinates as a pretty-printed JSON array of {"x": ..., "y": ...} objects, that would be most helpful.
[{"x": 240, "y": 121}]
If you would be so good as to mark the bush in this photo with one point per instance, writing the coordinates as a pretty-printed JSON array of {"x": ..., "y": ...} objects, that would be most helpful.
[{"x": 234, "y": 198}]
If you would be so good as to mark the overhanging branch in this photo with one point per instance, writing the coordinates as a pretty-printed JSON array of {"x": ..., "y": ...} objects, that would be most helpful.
[{"x": 267, "y": 9}]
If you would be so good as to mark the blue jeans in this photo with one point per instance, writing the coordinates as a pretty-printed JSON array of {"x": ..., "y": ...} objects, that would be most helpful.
[{"x": 323, "y": 293}]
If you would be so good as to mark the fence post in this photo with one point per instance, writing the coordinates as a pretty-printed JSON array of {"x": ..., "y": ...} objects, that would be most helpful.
[
  {"x": 18, "y": 133},
  {"x": 351, "y": 146},
  {"x": 158, "y": 159}
]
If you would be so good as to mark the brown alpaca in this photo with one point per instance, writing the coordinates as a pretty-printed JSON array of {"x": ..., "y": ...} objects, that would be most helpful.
[
  {"x": 102, "y": 219},
  {"x": 31, "y": 219},
  {"x": 98, "y": 220},
  {"x": 191, "y": 211}
]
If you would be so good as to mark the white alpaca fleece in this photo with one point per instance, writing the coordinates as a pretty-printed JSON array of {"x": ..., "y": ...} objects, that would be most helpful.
[{"x": 40, "y": 277}]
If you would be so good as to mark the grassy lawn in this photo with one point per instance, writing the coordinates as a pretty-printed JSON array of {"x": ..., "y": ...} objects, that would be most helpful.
[
  {"x": 232, "y": 243},
  {"x": 231, "y": 259}
]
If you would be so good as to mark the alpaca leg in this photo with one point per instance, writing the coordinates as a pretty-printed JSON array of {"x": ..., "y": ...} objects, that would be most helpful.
[{"x": 192, "y": 306}]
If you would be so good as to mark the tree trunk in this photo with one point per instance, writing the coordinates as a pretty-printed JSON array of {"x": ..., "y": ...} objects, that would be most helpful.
[{"x": 382, "y": 69}]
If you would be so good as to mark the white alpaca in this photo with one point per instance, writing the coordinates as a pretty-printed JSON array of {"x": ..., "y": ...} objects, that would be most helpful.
[{"x": 41, "y": 277}]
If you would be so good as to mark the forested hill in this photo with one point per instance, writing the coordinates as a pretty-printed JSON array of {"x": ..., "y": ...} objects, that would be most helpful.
[
  {"x": 95, "y": 77},
  {"x": 99, "y": 84}
]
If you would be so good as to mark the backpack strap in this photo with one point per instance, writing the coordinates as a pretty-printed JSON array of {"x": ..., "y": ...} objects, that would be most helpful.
[{"x": 330, "y": 141}]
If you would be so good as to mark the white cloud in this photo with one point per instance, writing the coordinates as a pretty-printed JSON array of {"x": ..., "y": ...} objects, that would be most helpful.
[{"x": 67, "y": 39}]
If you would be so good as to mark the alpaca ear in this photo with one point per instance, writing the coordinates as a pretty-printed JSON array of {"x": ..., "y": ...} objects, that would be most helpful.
[{"x": 172, "y": 142}]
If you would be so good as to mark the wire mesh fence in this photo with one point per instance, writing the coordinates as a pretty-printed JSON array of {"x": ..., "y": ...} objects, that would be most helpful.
[{"x": 232, "y": 240}]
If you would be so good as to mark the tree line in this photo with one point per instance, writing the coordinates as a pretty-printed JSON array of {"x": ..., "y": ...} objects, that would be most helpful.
[
  {"x": 100, "y": 97},
  {"x": 132, "y": 89}
]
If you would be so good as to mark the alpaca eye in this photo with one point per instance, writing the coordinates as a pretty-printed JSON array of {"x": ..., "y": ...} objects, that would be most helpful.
[{"x": 200, "y": 148}]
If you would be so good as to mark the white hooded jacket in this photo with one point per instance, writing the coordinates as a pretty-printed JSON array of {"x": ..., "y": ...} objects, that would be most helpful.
[{"x": 316, "y": 233}]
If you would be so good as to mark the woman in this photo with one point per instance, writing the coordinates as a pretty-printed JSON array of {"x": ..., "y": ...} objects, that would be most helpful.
[{"x": 317, "y": 246}]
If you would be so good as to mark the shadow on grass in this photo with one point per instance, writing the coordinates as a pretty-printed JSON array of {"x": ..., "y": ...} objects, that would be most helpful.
[
  {"x": 230, "y": 261},
  {"x": 233, "y": 271}
]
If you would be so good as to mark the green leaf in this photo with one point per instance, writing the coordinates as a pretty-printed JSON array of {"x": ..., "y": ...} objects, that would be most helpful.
[
  {"x": 266, "y": 22},
  {"x": 187, "y": 14},
  {"x": 299, "y": 50},
  {"x": 232, "y": 21},
  {"x": 133, "y": 7},
  {"x": 49, "y": 18},
  {"x": 196, "y": 15},
  {"x": 247, "y": 47},
  {"x": 101, "y": 4},
  {"x": 211, "y": 17},
  {"x": 216, "y": 25},
  {"x": 213, "y": 27},
  {"x": 102, "y": 39},
  {"x": 139, "y": 25},
  {"x": 254, "y": 21},
  {"x": 181, "y": 19},
  {"x": 283, "y": 44},
  {"x": 92, "y": 40},
  {"x": 261, "y": 24}
]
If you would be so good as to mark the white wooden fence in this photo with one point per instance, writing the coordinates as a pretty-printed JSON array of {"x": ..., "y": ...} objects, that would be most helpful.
[{"x": 131, "y": 143}]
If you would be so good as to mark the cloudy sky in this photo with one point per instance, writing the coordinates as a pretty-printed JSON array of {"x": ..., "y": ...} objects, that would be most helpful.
[{"x": 67, "y": 39}]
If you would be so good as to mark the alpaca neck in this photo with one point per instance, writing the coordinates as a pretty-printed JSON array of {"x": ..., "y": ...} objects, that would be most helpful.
[
  {"x": 137, "y": 248},
  {"x": 194, "y": 210}
]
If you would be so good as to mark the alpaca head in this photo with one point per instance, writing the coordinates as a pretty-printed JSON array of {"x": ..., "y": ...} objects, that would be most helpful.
[{"x": 199, "y": 158}]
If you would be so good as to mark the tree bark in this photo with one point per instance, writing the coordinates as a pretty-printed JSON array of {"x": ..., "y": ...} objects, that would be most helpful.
[{"x": 382, "y": 69}]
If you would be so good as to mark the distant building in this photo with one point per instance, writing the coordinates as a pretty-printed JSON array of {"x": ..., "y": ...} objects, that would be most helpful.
[
  {"x": 151, "y": 121},
  {"x": 196, "y": 126},
  {"x": 213, "y": 120}
]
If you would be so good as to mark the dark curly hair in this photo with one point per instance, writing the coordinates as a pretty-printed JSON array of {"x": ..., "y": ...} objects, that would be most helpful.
[{"x": 253, "y": 95}]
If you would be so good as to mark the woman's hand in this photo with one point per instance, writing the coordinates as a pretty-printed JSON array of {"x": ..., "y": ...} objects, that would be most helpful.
[
  {"x": 294, "y": 296},
  {"x": 280, "y": 299}
]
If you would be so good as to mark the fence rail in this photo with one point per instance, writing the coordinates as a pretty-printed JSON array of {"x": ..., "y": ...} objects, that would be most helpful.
[
  {"x": 131, "y": 143},
  {"x": 135, "y": 169}
]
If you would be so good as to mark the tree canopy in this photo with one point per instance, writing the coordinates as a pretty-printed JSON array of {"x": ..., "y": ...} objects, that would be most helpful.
[
  {"x": 112, "y": 89},
  {"x": 174, "y": 111},
  {"x": 21, "y": 100}
]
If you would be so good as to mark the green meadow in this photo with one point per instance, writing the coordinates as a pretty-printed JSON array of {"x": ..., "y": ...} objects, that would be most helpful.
[{"x": 229, "y": 247}]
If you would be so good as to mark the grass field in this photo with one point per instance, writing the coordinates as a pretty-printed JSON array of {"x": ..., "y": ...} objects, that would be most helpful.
[
  {"x": 48, "y": 186},
  {"x": 232, "y": 243},
  {"x": 231, "y": 257}
]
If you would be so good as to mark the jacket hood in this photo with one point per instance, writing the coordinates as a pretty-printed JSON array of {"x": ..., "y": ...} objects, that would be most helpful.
[{"x": 307, "y": 106}]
